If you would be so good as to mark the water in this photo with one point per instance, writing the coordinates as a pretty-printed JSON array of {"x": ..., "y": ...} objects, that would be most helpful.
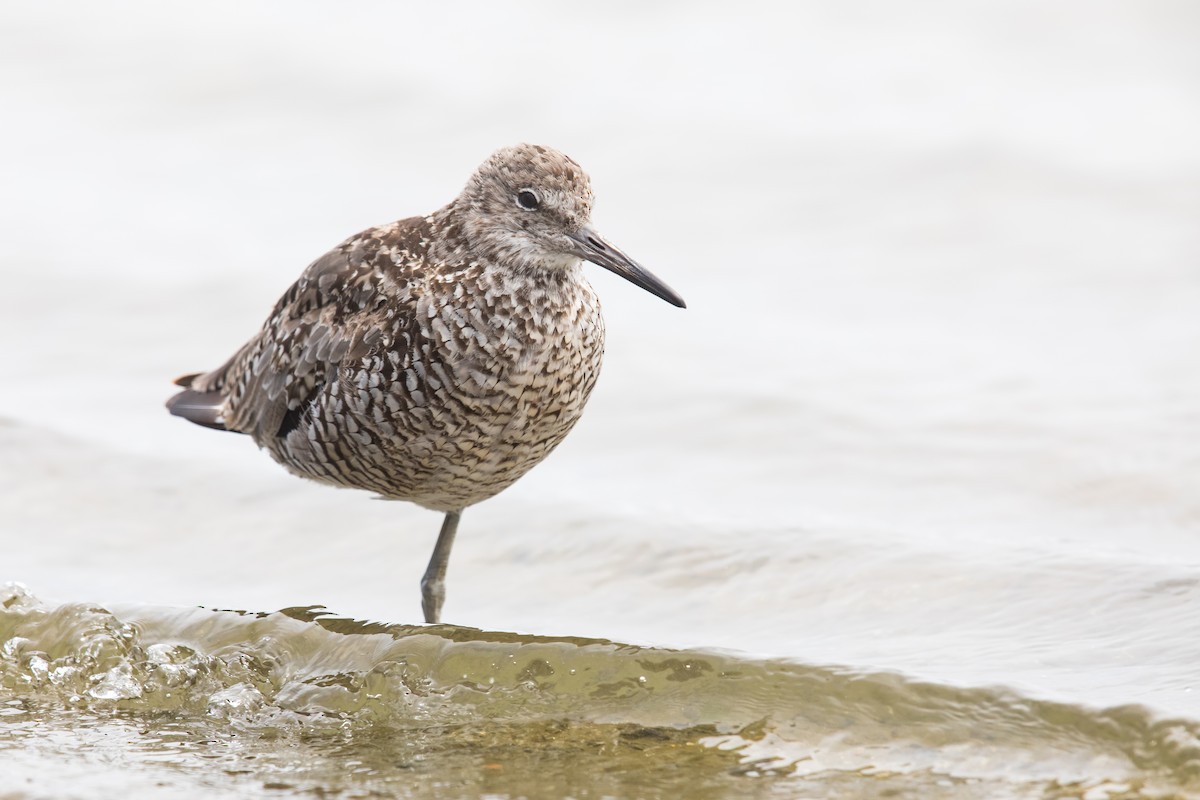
[
  {"x": 227, "y": 702},
  {"x": 905, "y": 503}
]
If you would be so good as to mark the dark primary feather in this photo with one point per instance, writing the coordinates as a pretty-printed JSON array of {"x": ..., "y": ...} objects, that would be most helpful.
[
  {"x": 291, "y": 420},
  {"x": 202, "y": 408}
]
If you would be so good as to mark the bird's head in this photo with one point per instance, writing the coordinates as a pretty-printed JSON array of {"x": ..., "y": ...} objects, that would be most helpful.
[{"x": 530, "y": 207}]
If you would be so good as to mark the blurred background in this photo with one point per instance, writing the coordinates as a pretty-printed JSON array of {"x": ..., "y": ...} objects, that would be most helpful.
[{"x": 933, "y": 407}]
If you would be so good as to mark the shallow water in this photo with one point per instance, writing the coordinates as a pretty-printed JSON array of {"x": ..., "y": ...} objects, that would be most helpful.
[
  {"x": 224, "y": 702},
  {"x": 906, "y": 503}
]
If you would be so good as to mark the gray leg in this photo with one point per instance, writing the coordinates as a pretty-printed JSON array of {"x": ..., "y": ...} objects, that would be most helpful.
[{"x": 433, "y": 584}]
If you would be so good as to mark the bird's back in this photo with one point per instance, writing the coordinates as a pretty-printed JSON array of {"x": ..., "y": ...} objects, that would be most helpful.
[{"x": 431, "y": 379}]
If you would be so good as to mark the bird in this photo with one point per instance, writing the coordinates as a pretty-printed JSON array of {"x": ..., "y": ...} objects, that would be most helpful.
[{"x": 434, "y": 359}]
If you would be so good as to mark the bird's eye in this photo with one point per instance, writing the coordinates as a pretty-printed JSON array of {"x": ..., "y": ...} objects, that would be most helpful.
[{"x": 528, "y": 200}]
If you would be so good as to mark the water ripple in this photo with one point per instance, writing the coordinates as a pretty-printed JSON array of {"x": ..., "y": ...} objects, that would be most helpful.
[{"x": 303, "y": 700}]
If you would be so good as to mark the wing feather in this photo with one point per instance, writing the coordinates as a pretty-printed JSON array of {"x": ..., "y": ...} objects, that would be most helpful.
[{"x": 333, "y": 312}]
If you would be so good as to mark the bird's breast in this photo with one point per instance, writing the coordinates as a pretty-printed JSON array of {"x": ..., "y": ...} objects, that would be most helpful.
[
  {"x": 478, "y": 391},
  {"x": 525, "y": 358}
]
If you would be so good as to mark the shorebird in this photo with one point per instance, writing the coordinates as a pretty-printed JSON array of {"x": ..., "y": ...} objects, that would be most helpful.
[{"x": 435, "y": 359}]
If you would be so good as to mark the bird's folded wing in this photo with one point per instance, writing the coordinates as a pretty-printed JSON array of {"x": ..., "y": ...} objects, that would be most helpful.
[{"x": 329, "y": 315}]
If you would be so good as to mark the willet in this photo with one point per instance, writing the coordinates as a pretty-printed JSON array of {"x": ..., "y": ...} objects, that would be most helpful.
[{"x": 435, "y": 359}]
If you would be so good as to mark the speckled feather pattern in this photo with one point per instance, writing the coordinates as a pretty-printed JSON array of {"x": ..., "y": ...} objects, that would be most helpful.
[{"x": 433, "y": 359}]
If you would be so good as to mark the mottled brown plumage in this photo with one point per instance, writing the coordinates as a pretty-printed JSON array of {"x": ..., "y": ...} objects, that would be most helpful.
[{"x": 433, "y": 359}]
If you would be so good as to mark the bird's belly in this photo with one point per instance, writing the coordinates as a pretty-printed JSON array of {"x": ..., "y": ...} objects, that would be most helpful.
[
  {"x": 446, "y": 437},
  {"x": 466, "y": 446}
]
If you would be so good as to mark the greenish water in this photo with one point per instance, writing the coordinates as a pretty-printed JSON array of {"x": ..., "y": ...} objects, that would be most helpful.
[{"x": 204, "y": 703}]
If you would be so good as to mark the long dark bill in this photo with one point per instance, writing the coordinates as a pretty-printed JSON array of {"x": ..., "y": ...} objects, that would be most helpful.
[{"x": 595, "y": 248}]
